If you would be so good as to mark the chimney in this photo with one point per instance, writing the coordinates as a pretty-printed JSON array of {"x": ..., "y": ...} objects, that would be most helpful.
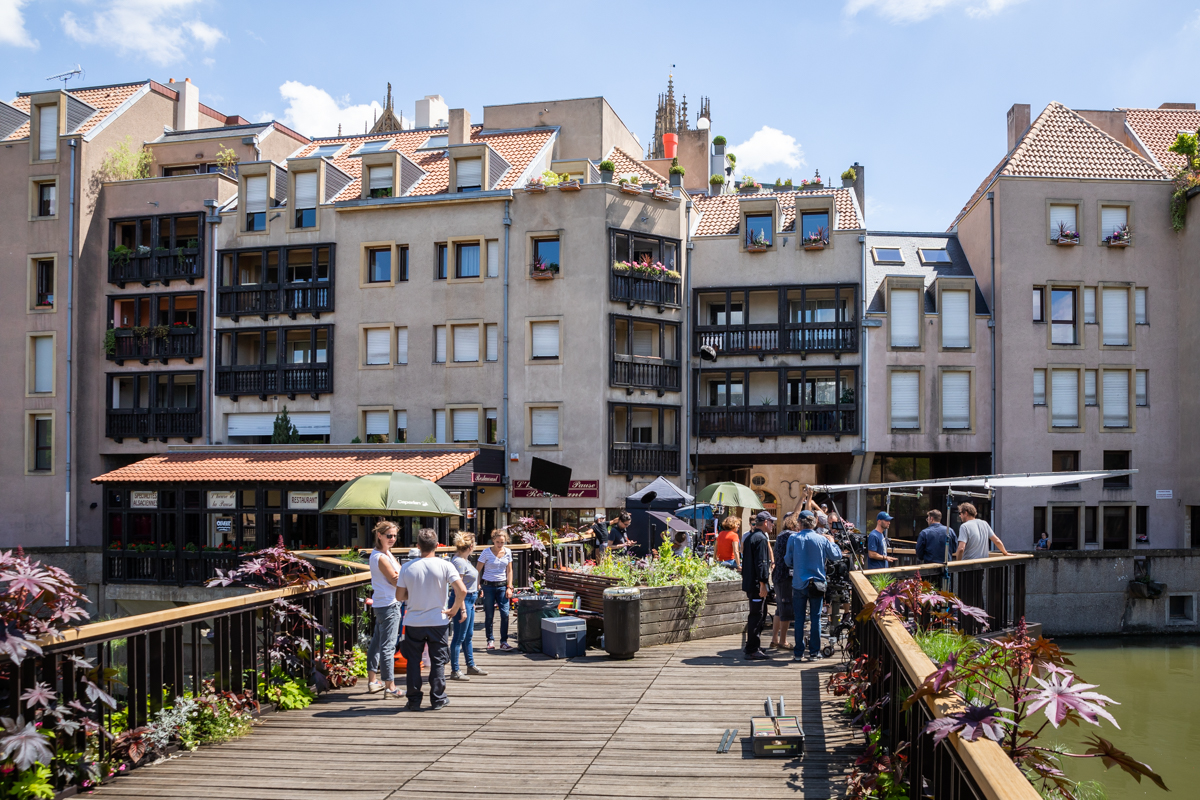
[
  {"x": 1179, "y": 106},
  {"x": 187, "y": 106},
  {"x": 460, "y": 126},
  {"x": 860, "y": 187},
  {"x": 431, "y": 111},
  {"x": 1018, "y": 123}
]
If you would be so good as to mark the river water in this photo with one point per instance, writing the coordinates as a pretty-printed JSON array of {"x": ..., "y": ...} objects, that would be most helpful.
[{"x": 1157, "y": 682}]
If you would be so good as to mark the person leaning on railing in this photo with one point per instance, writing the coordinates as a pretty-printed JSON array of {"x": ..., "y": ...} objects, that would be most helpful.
[
  {"x": 381, "y": 652},
  {"x": 974, "y": 535}
]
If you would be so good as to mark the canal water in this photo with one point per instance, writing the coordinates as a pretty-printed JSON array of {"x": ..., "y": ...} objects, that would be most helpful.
[{"x": 1157, "y": 682}]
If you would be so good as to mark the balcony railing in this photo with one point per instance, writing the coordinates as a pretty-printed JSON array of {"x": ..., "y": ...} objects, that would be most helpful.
[
  {"x": 185, "y": 263},
  {"x": 643, "y": 459},
  {"x": 181, "y": 342},
  {"x": 645, "y": 373},
  {"x": 160, "y": 423},
  {"x": 810, "y": 421},
  {"x": 268, "y": 379},
  {"x": 262, "y": 300},
  {"x": 636, "y": 290},
  {"x": 764, "y": 339},
  {"x": 776, "y": 421}
]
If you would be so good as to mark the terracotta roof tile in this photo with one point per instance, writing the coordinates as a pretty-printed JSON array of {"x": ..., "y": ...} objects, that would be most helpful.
[
  {"x": 720, "y": 214},
  {"x": 1060, "y": 143},
  {"x": 105, "y": 99},
  {"x": 1158, "y": 127},
  {"x": 518, "y": 148},
  {"x": 286, "y": 467},
  {"x": 626, "y": 164}
]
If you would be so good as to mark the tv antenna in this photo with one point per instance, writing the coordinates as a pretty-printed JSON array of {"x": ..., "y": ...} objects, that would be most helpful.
[{"x": 66, "y": 76}]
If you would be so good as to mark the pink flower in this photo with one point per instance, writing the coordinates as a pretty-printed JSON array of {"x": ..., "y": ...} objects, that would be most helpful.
[{"x": 1060, "y": 695}]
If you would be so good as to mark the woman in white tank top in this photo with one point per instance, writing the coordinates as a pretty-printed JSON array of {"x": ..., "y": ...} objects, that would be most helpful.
[{"x": 381, "y": 652}]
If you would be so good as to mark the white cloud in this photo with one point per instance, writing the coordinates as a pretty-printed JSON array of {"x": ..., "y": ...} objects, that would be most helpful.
[
  {"x": 159, "y": 30},
  {"x": 12, "y": 24},
  {"x": 210, "y": 62},
  {"x": 767, "y": 147},
  {"x": 315, "y": 112},
  {"x": 916, "y": 10}
]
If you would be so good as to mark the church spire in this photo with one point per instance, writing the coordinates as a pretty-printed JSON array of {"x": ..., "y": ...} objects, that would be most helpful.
[{"x": 387, "y": 121}]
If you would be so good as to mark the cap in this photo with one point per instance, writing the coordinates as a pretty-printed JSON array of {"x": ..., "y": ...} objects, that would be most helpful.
[
  {"x": 763, "y": 516},
  {"x": 822, "y": 520},
  {"x": 806, "y": 513},
  {"x": 884, "y": 516}
]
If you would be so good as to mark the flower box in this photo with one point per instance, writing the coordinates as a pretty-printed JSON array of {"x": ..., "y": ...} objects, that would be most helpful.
[
  {"x": 629, "y": 188},
  {"x": 570, "y": 186},
  {"x": 1065, "y": 242},
  {"x": 756, "y": 248},
  {"x": 749, "y": 189},
  {"x": 663, "y": 194},
  {"x": 542, "y": 275},
  {"x": 535, "y": 188},
  {"x": 814, "y": 245},
  {"x": 1122, "y": 243}
]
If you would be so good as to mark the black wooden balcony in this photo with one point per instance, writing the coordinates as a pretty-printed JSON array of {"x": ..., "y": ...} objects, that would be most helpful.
[
  {"x": 183, "y": 263},
  {"x": 184, "y": 342},
  {"x": 769, "y": 339},
  {"x": 642, "y": 291},
  {"x": 640, "y": 372},
  {"x": 265, "y": 299},
  {"x": 763, "y": 421},
  {"x": 643, "y": 459},
  {"x": 262, "y": 380},
  {"x": 160, "y": 423}
]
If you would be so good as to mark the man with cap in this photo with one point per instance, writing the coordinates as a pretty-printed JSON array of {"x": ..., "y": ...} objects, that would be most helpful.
[
  {"x": 600, "y": 529},
  {"x": 756, "y": 578},
  {"x": 877, "y": 543}
]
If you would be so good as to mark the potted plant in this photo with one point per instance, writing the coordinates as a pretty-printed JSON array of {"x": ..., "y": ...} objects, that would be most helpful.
[
  {"x": 662, "y": 192},
  {"x": 119, "y": 256},
  {"x": 756, "y": 242},
  {"x": 536, "y": 185},
  {"x": 1119, "y": 237},
  {"x": 568, "y": 184},
  {"x": 676, "y": 174},
  {"x": 622, "y": 267},
  {"x": 1066, "y": 237},
  {"x": 719, "y": 143},
  {"x": 715, "y": 183},
  {"x": 849, "y": 177},
  {"x": 607, "y": 168},
  {"x": 815, "y": 183},
  {"x": 629, "y": 187},
  {"x": 543, "y": 270},
  {"x": 749, "y": 186},
  {"x": 816, "y": 240},
  {"x": 551, "y": 178}
]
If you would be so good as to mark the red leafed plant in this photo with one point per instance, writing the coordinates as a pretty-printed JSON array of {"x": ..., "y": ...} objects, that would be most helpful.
[{"x": 35, "y": 600}]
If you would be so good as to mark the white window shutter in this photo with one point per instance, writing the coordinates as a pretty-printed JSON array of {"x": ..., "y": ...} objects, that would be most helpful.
[
  {"x": 543, "y": 426},
  {"x": 1112, "y": 219},
  {"x": 306, "y": 189},
  {"x": 1089, "y": 387},
  {"x": 545, "y": 339},
  {"x": 1089, "y": 305},
  {"x": 906, "y": 398},
  {"x": 48, "y": 132},
  {"x": 43, "y": 364},
  {"x": 1139, "y": 306},
  {"x": 469, "y": 171},
  {"x": 905, "y": 317},
  {"x": 256, "y": 194},
  {"x": 439, "y": 426},
  {"x": 466, "y": 343},
  {"x": 249, "y": 424},
  {"x": 377, "y": 423},
  {"x": 956, "y": 319},
  {"x": 493, "y": 258},
  {"x": 1116, "y": 316},
  {"x": 464, "y": 423},
  {"x": 1116, "y": 399},
  {"x": 1064, "y": 398},
  {"x": 401, "y": 420},
  {"x": 1039, "y": 387},
  {"x": 643, "y": 341},
  {"x": 380, "y": 178},
  {"x": 401, "y": 345},
  {"x": 378, "y": 351},
  {"x": 493, "y": 342},
  {"x": 1064, "y": 214},
  {"x": 1140, "y": 388},
  {"x": 310, "y": 423},
  {"x": 439, "y": 344},
  {"x": 956, "y": 399}
]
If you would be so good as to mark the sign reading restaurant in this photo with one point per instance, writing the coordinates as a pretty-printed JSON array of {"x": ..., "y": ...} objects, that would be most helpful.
[
  {"x": 303, "y": 501},
  {"x": 487, "y": 477},
  {"x": 583, "y": 489}
]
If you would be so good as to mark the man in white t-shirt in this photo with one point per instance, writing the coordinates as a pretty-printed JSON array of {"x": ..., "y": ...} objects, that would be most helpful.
[
  {"x": 424, "y": 585},
  {"x": 974, "y": 535}
]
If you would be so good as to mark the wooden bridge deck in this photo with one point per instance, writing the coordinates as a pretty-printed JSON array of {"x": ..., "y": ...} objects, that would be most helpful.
[{"x": 587, "y": 729}]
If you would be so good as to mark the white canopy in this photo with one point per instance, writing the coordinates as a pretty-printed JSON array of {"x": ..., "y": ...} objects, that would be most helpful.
[{"x": 1021, "y": 480}]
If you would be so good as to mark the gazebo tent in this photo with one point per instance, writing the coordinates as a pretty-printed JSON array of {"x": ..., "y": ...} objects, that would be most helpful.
[{"x": 666, "y": 497}]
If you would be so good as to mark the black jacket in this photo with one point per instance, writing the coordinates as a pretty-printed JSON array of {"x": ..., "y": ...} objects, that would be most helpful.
[{"x": 756, "y": 561}]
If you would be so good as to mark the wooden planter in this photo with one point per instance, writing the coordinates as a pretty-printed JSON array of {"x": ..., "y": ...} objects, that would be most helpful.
[
  {"x": 818, "y": 246},
  {"x": 1066, "y": 242},
  {"x": 543, "y": 275},
  {"x": 1117, "y": 244},
  {"x": 662, "y": 194},
  {"x": 535, "y": 188},
  {"x": 570, "y": 186},
  {"x": 755, "y": 248},
  {"x": 629, "y": 188}
]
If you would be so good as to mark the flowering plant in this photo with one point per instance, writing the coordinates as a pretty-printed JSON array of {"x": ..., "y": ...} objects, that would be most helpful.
[
  {"x": 544, "y": 267},
  {"x": 1118, "y": 236},
  {"x": 1065, "y": 234},
  {"x": 819, "y": 236},
  {"x": 750, "y": 183}
]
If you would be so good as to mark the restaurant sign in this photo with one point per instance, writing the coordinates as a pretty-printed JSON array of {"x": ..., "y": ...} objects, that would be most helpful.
[
  {"x": 486, "y": 477},
  {"x": 143, "y": 499},
  {"x": 582, "y": 489},
  {"x": 303, "y": 501},
  {"x": 222, "y": 499}
]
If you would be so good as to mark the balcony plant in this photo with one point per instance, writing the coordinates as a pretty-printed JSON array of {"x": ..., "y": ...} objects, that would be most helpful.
[
  {"x": 849, "y": 177},
  {"x": 110, "y": 342},
  {"x": 815, "y": 183},
  {"x": 227, "y": 161},
  {"x": 551, "y": 178},
  {"x": 542, "y": 270},
  {"x": 119, "y": 256},
  {"x": 716, "y": 180},
  {"x": 607, "y": 168},
  {"x": 536, "y": 185},
  {"x": 629, "y": 186},
  {"x": 676, "y": 173},
  {"x": 1066, "y": 237},
  {"x": 569, "y": 184},
  {"x": 749, "y": 186},
  {"x": 1187, "y": 177},
  {"x": 816, "y": 240},
  {"x": 756, "y": 242},
  {"x": 719, "y": 143},
  {"x": 1120, "y": 237}
]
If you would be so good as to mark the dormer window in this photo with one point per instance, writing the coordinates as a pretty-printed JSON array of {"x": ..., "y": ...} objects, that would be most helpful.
[
  {"x": 436, "y": 143},
  {"x": 306, "y": 199},
  {"x": 48, "y": 132},
  {"x": 373, "y": 147},
  {"x": 469, "y": 174},
  {"x": 256, "y": 203},
  {"x": 760, "y": 230},
  {"x": 380, "y": 181}
]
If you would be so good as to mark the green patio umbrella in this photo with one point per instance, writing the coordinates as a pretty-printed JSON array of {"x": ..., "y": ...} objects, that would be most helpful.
[
  {"x": 391, "y": 494},
  {"x": 728, "y": 493}
]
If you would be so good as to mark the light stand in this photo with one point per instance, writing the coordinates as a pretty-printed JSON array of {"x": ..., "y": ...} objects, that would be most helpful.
[{"x": 707, "y": 353}]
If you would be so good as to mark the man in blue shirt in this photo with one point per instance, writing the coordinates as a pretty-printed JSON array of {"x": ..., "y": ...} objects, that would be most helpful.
[
  {"x": 936, "y": 541},
  {"x": 807, "y": 552},
  {"x": 877, "y": 544}
]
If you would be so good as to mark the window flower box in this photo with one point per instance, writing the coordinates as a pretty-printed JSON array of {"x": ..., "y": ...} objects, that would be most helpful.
[
  {"x": 535, "y": 186},
  {"x": 662, "y": 193},
  {"x": 756, "y": 248},
  {"x": 1064, "y": 241},
  {"x": 814, "y": 245},
  {"x": 1120, "y": 237},
  {"x": 630, "y": 188},
  {"x": 570, "y": 186},
  {"x": 816, "y": 240},
  {"x": 541, "y": 271}
]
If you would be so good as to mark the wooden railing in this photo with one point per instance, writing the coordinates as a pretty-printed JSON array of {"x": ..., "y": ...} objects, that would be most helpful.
[
  {"x": 636, "y": 290},
  {"x": 159, "y": 423},
  {"x": 774, "y": 337},
  {"x": 952, "y": 768},
  {"x": 264, "y": 379},
  {"x": 642, "y": 372},
  {"x": 180, "y": 264},
  {"x": 291, "y": 298},
  {"x": 626, "y": 458},
  {"x": 186, "y": 343}
]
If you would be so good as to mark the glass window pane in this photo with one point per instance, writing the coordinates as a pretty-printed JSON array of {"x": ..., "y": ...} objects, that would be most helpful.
[
  {"x": 546, "y": 252},
  {"x": 814, "y": 226},
  {"x": 299, "y": 265},
  {"x": 759, "y": 229},
  {"x": 379, "y": 265},
  {"x": 468, "y": 261}
]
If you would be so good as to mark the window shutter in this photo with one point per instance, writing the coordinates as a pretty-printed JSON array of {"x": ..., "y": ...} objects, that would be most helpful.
[
  {"x": 543, "y": 426},
  {"x": 377, "y": 423},
  {"x": 906, "y": 395},
  {"x": 465, "y": 424},
  {"x": 378, "y": 351},
  {"x": 1089, "y": 387},
  {"x": 1065, "y": 214},
  {"x": 251, "y": 424},
  {"x": 401, "y": 420},
  {"x": 43, "y": 364},
  {"x": 643, "y": 341},
  {"x": 439, "y": 344},
  {"x": 956, "y": 319},
  {"x": 306, "y": 190},
  {"x": 466, "y": 342},
  {"x": 493, "y": 258},
  {"x": 1112, "y": 219},
  {"x": 1039, "y": 387},
  {"x": 1140, "y": 388},
  {"x": 1139, "y": 306},
  {"x": 1064, "y": 398},
  {"x": 310, "y": 423},
  {"x": 493, "y": 342},
  {"x": 439, "y": 426},
  {"x": 1116, "y": 399},
  {"x": 1116, "y": 316},
  {"x": 469, "y": 171},
  {"x": 402, "y": 345},
  {"x": 905, "y": 318},
  {"x": 256, "y": 194},
  {"x": 545, "y": 339},
  {"x": 1089, "y": 305},
  {"x": 48, "y": 132},
  {"x": 956, "y": 399},
  {"x": 380, "y": 178}
]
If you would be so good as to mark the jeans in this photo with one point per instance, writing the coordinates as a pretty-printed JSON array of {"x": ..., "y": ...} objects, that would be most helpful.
[
  {"x": 415, "y": 639},
  {"x": 461, "y": 641},
  {"x": 383, "y": 641},
  {"x": 495, "y": 596},
  {"x": 754, "y": 625},
  {"x": 731, "y": 563},
  {"x": 802, "y": 604}
]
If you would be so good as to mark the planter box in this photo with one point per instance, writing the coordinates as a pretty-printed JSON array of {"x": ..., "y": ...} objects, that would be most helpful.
[
  {"x": 605, "y": 176},
  {"x": 535, "y": 188},
  {"x": 1116, "y": 244},
  {"x": 818, "y": 246},
  {"x": 753, "y": 248},
  {"x": 629, "y": 188},
  {"x": 1066, "y": 242},
  {"x": 542, "y": 276},
  {"x": 662, "y": 194},
  {"x": 570, "y": 186},
  {"x": 749, "y": 190}
]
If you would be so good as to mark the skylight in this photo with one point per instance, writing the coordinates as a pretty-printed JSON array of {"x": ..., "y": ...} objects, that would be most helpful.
[
  {"x": 326, "y": 151},
  {"x": 934, "y": 256},
  {"x": 887, "y": 255},
  {"x": 435, "y": 143},
  {"x": 375, "y": 146}
]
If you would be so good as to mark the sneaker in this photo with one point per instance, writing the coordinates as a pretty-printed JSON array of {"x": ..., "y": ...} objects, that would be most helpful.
[
  {"x": 458, "y": 676},
  {"x": 798, "y": 659},
  {"x": 374, "y": 687},
  {"x": 412, "y": 706},
  {"x": 474, "y": 670},
  {"x": 758, "y": 655},
  {"x": 491, "y": 645},
  {"x": 505, "y": 646},
  {"x": 441, "y": 705}
]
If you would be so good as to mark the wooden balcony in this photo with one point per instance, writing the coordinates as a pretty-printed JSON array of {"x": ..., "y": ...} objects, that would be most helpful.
[
  {"x": 179, "y": 342},
  {"x": 268, "y": 379},
  {"x": 770, "y": 420},
  {"x": 768, "y": 339},
  {"x": 184, "y": 263},
  {"x": 640, "y": 372},
  {"x": 635, "y": 290},
  {"x": 159, "y": 423},
  {"x": 643, "y": 459},
  {"x": 263, "y": 300}
]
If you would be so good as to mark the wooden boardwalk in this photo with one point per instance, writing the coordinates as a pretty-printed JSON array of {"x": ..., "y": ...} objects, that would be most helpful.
[{"x": 587, "y": 729}]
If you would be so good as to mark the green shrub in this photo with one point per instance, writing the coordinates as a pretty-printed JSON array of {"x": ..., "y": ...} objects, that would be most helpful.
[
  {"x": 719, "y": 140},
  {"x": 850, "y": 175},
  {"x": 717, "y": 180},
  {"x": 608, "y": 166}
]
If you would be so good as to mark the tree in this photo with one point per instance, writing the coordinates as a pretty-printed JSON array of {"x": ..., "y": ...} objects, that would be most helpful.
[{"x": 285, "y": 432}]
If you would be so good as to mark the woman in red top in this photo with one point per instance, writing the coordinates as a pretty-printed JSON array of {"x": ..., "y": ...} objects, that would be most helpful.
[{"x": 728, "y": 543}]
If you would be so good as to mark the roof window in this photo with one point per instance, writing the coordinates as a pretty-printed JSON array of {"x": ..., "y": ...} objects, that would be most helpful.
[
  {"x": 374, "y": 147},
  {"x": 436, "y": 143},
  {"x": 326, "y": 151},
  {"x": 887, "y": 255},
  {"x": 934, "y": 256}
]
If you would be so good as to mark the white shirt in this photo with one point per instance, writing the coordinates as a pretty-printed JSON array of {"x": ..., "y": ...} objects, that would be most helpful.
[
  {"x": 428, "y": 582},
  {"x": 978, "y": 536},
  {"x": 495, "y": 568},
  {"x": 384, "y": 593}
]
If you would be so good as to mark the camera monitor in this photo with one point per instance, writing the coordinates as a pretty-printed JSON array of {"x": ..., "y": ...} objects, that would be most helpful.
[{"x": 546, "y": 476}]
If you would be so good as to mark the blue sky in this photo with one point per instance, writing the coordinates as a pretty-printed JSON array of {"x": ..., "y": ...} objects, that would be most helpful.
[{"x": 915, "y": 90}]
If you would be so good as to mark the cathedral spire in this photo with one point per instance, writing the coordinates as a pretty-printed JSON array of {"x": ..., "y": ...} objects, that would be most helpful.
[{"x": 387, "y": 121}]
